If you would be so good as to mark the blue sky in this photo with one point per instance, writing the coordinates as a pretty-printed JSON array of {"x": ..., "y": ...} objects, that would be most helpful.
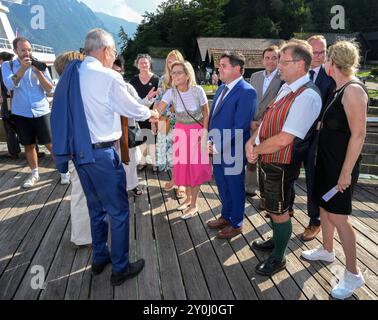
[{"x": 130, "y": 10}]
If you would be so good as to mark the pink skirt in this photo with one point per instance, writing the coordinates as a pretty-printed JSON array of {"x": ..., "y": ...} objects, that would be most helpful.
[{"x": 191, "y": 165}]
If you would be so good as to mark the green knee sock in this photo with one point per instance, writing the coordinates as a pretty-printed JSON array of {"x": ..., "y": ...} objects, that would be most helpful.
[{"x": 281, "y": 237}]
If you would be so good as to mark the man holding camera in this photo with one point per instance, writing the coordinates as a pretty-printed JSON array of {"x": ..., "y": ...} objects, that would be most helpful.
[{"x": 30, "y": 82}]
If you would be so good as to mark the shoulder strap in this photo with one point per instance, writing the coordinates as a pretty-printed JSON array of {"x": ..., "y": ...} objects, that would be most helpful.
[
  {"x": 187, "y": 111},
  {"x": 11, "y": 67}
]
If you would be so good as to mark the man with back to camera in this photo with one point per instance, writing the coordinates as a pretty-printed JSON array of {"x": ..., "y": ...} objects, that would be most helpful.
[
  {"x": 88, "y": 102},
  {"x": 30, "y": 107}
]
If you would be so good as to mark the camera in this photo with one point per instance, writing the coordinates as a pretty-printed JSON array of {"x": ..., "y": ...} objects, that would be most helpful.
[{"x": 41, "y": 66}]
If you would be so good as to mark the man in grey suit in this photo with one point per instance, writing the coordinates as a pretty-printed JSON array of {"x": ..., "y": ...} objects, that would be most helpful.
[{"x": 267, "y": 83}]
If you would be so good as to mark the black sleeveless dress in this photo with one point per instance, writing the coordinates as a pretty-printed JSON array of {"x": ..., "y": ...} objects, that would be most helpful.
[{"x": 334, "y": 137}]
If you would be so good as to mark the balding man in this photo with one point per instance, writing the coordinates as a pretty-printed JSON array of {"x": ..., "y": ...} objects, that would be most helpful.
[{"x": 88, "y": 102}]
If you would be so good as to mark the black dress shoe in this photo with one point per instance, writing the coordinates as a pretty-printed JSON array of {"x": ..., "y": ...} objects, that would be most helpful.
[
  {"x": 132, "y": 270},
  {"x": 262, "y": 245},
  {"x": 270, "y": 266},
  {"x": 97, "y": 268}
]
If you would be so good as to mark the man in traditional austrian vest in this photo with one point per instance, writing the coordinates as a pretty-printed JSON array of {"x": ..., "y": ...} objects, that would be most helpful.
[{"x": 291, "y": 114}]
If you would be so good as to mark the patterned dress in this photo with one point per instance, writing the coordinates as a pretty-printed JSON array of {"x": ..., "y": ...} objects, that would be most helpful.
[{"x": 164, "y": 142}]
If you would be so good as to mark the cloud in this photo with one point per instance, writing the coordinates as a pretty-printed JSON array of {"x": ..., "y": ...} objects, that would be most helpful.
[{"x": 116, "y": 8}]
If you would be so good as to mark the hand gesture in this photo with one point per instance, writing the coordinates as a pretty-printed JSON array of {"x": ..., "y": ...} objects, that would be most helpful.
[
  {"x": 154, "y": 116},
  {"x": 152, "y": 93}
]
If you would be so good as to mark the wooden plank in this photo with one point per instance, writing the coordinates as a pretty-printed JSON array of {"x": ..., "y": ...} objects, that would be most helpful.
[
  {"x": 264, "y": 288},
  {"x": 60, "y": 271},
  {"x": 12, "y": 237},
  {"x": 170, "y": 274},
  {"x": 15, "y": 207},
  {"x": 361, "y": 221},
  {"x": 85, "y": 290},
  {"x": 30, "y": 243},
  {"x": 362, "y": 256},
  {"x": 11, "y": 190},
  {"x": 365, "y": 257},
  {"x": 283, "y": 281},
  {"x": 148, "y": 280},
  {"x": 79, "y": 267},
  {"x": 46, "y": 251},
  {"x": 129, "y": 290},
  {"x": 238, "y": 279},
  {"x": 191, "y": 270}
]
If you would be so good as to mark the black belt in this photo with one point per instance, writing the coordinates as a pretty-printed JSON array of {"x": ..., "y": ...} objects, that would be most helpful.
[{"x": 102, "y": 145}]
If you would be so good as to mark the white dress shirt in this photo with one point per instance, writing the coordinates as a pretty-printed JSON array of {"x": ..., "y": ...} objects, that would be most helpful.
[
  {"x": 268, "y": 80},
  {"x": 316, "y": 70},
  {"x": 304, "y": 110},
  {"x": 106, "y": 97}
]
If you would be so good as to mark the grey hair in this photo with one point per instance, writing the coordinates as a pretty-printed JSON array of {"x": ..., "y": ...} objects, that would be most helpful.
[{"x": 97, "y": 39}]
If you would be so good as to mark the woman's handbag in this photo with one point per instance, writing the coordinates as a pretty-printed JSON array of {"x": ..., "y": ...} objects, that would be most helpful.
[{"x": 136, "y": 137}]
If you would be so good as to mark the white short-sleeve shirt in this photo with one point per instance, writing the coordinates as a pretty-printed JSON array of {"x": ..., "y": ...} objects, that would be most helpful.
[{"x": 189, "y": 97}]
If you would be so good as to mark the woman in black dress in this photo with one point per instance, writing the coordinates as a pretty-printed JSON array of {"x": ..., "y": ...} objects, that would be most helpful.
[
  {"x": 341, "y": 137},
  {"x": 144, "y": 82}
]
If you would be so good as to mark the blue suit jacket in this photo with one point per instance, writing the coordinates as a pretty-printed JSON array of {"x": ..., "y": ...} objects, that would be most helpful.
[
  {"x": 70, "y": 134},
  {"x": 326, "y": 86},
  {"x": 236, "y": 111}
]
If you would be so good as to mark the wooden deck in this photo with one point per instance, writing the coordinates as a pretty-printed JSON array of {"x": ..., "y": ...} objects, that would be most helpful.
[{"x": 184, "y": 260}]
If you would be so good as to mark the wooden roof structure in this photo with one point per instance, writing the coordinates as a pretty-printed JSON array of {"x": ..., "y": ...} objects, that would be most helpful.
[{"x": 211, "y": 49}]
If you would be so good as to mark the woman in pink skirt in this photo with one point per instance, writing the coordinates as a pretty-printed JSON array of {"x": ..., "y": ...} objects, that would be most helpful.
[{"x": 191, "y": 166}]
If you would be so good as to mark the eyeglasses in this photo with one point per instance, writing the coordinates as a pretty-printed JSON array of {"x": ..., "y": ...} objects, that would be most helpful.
[
  {"x": 177, "y": 73},
  {"x": 285, "y": 62},
  {"x": 319, "y": 53}
]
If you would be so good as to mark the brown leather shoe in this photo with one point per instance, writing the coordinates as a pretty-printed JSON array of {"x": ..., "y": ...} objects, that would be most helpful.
[
  {"x": 218, "y": 223},
  {"x": 229, "y": 232},
  {"x": 310, "y": 233}
]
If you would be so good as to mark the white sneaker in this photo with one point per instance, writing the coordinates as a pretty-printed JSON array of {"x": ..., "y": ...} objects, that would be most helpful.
[
  {"x": 65, "y": 178},
  {"x": 319, "y": 254},
  {"x": 30, "y": 182},
  {"x": 346, "y": 286}
]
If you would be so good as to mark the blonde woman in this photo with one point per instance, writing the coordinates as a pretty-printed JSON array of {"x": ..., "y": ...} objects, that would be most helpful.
[
  {"x": 164, "y": 139},
  {"x": 191, "y": 165},
  {"x": 341, "y": 137}
]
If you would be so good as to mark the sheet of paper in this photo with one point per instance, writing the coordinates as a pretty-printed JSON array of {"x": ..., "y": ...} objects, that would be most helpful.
[{"x": 328, "y": 196}]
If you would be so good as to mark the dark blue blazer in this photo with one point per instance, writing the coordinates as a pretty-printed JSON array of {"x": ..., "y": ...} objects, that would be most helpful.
[
  {"x": 234, "y": 112},
  {"x": 326, "y": 86},
  {"x": 70, "y": 134}
]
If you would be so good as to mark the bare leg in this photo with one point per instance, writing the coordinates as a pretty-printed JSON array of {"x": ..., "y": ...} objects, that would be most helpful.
[
  {"x": 347, "y": 239},
  {"x": 31, "y": 156},
  {"x": 48, "y": 146},
  {"x": 328, "y": 230}
]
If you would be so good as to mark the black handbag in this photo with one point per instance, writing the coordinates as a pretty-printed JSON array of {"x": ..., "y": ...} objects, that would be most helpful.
[{"x": 136, "y": 137}]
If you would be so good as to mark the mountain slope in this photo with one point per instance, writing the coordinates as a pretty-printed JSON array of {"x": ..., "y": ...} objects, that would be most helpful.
[
  {"x": 113, "y": 24},
  {"x": 66, "y": 23}
]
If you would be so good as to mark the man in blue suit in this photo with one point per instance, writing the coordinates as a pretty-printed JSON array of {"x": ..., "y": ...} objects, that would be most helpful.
[
  {"x": 229, "y": 129},
  {"x": 305, "y": 150}
]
